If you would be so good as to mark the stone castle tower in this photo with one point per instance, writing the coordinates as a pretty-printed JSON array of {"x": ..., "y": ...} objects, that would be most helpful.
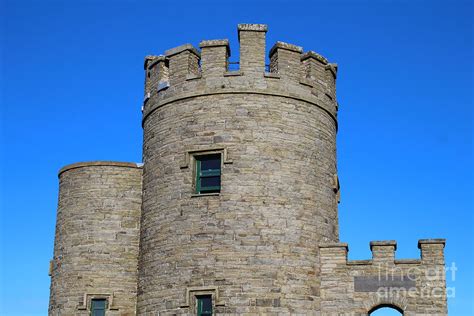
[{"x": 234, "y": 209}]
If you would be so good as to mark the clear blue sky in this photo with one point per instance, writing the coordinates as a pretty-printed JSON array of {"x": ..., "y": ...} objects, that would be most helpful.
[{"x": 72, "y": 85}]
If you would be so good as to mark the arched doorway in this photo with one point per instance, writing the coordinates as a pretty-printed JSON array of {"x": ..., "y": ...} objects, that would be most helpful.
[{"x": 386, "y": 310}]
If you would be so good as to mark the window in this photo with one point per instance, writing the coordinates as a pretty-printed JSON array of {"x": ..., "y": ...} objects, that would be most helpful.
[
  {"x": 98, "y": 307},
  {"x": 208, "y": 173},
  {"x": 204, "y": 305}
]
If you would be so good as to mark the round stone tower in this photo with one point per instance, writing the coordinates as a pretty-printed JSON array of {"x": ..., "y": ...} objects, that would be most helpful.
[
  {"x": 97, "y": 235},
  {"x": 239, "y": 179}
]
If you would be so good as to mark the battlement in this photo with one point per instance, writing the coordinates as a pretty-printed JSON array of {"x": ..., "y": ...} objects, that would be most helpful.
[
  {"x": 185, "y": 71},
  {"x": 360, "y": 286},
  {"x": 383, "y": 252}
]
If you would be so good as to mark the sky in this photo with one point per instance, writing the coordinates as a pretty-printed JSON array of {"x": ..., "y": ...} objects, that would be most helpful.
[{"x": 71, "y": 87}]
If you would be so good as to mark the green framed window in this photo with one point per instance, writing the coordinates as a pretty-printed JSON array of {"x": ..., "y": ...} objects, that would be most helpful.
[
  {"x": 204, "y": 305},
  {"x": 208, "y": 173},
  {"x": 98, "y": 307}
]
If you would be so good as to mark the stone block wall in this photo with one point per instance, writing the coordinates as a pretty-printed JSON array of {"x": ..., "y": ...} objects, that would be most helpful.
[
  {"x": 415, "y": 287},
  {"x": 97, "y": 234}
]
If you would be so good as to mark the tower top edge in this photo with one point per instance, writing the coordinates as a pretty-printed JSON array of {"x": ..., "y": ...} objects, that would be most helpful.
[
  {"x": 383, "y": 243},
  {"x": 86, "y": 164},
  {"x": 286, "y": 46},
  {"x": 439, "y": 241},
  {"x": 151, "y": 60},
  {"x": 252, "y": 27},
  {"x": 314, "y": 55},
  {"x": 182, "y": 48}
]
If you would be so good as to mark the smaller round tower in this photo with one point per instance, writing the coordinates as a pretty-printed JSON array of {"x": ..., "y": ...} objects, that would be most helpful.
[{"x": 97, "y": 234}]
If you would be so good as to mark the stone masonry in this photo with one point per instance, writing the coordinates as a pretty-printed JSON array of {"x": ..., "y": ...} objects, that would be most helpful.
[
  {"x": 97, "y": 235},
  {"x": 141, "y": 237}
]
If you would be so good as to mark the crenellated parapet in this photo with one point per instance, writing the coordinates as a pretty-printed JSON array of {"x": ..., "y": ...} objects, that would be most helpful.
[
  {"x": 414, "y": 286},
  {"x": 185, "y": 72}
]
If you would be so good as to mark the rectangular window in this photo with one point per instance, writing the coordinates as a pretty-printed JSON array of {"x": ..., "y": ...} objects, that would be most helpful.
[
  {"x": 98, "y": 307},
  {"x": 208, "y": 173},
  {"x": 204, "y": 305}
]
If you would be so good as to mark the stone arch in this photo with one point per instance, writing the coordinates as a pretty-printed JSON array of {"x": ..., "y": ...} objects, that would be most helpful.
[
  {"x": 388, "y": 299},
  {"x": 386, "y": 305}
]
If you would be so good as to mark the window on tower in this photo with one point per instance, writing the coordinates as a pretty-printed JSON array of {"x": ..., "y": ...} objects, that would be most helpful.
[
  {"x": 98, "y": 307},
  {"x": 208, "y": 173},
  {"x": 204, "y": 305}
]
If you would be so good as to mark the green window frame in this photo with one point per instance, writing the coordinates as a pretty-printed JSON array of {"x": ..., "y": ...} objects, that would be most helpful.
[
  {"x": 204, "y": 305},
  {"x": 98, "y": 306},
  {"x": 208, "y": 173}
]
